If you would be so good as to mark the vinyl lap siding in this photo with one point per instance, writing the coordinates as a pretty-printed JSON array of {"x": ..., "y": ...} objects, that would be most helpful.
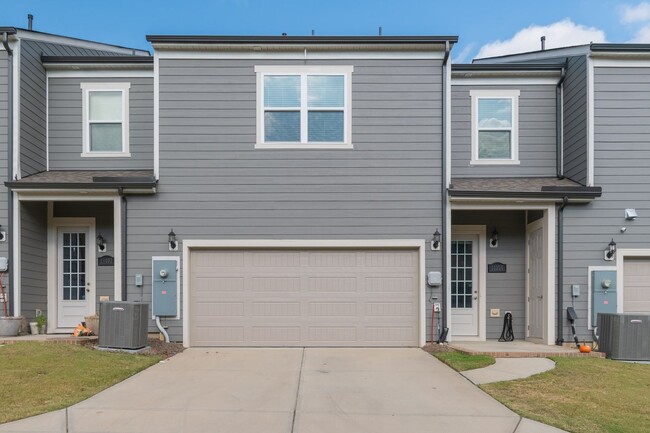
[
  {"x": 66, "y": 125},
  {"x": 621, "y": 161},
  {"x": 33, "y": 157},
  {"x": 33, "y": 258},
  {"x": 215, "y": 185},
  {"x": 537, "y": 133},
  {"x": 575, "y": 119}
]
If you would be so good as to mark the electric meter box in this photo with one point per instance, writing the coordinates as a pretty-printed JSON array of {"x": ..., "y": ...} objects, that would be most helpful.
[
  {"x": 603, "y": 296},
  {"x": 164, "y": 287}
]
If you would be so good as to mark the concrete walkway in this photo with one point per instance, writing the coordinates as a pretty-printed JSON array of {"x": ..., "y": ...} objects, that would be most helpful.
[
  {"x": 288, "y": 391},
  {"x": 509, "y": 369}
]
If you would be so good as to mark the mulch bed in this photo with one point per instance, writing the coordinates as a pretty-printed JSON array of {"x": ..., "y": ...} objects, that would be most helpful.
[
  {"x": 160, "y": 348},
  {"x": 436, "y": 348}
]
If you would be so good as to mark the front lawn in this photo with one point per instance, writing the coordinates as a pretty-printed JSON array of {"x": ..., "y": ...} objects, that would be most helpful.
[
  {"x": 460, "y": 361},
  {"x": 40, "y": 377},
  {"x": 589, "y": 395}
]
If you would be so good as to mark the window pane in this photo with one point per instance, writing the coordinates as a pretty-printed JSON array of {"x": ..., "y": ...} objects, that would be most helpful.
[
  {"x": 106, "y": 137},
  {"x": 494, "y": 145},
  {"x": 325, "y": 90},
  {"x": 282, "y": 90},
  {"x": 282, "y": 126},
  {"x": 325, "y": 126},
  {"x": 105, "y": 106},
  {"x": 495, "y": 113}
]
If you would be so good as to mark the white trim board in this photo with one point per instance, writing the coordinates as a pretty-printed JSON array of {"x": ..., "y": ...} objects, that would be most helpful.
[
  {"x": 197, "y": 244},
  {"x": 156, "y": 116},
  {"x": 504, "y": 81},
  {"x": 16, "y": 112},
  {"x": 620, "y": 277},
  {"x": 620, "y": 63},
  {"x": 99, "y": 74}
]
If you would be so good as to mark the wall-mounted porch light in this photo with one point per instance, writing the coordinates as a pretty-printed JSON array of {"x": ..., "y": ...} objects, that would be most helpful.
[
  {"x": 3, "y": 234},
  {"x": 435, "y": 242},
  {"x": 494, "y": 239},
  {"x": 171, "y": 237},
  {"x": 610, "y": 252},
  {"x": 101, "y": 243}
]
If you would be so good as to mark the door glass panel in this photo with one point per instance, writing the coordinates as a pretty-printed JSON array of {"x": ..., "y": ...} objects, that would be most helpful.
[
  {"x": 461, "y": 274},
  {"x": 74, "y": 266}
]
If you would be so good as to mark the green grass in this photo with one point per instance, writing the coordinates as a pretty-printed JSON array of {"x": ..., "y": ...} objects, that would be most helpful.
[
  {"x": 590, "y": 395},
  {"x": 40, "y": 377},
  {"x": 462, "y": 361}
]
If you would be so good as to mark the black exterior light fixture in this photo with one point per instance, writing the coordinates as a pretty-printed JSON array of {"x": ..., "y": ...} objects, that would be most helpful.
[
  {"x": 435, "y": 242},
  {"x": 494, "y": 239},
  {"x": 610, "y": 252},
  {"x": 173, "y": 245},
  {"x": 101, "y": 243},
  {"x": 3, "y": 234}
]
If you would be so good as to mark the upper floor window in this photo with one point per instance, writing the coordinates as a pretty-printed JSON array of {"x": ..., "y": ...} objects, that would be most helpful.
[
  {"x": 303, "y": 107},
  {"x": 495, "y": 137},
  {"x": 105, "y": 108}
]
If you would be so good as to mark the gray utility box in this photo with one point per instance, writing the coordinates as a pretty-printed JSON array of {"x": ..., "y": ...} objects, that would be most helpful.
[
  {"x": 123, "y": 324},
  {"x": 624, "y": 336},
  {"x": 603, "y": 286},
  {"x": 165, "y": 280}
]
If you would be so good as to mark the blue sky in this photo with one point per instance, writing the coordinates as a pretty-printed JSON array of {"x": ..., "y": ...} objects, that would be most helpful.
[{"x": 478, "y": 23}]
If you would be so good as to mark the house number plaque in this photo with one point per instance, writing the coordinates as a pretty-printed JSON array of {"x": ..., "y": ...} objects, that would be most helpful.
[
  {"x": 497, "y": 268},
  {"x": 105, "y": 261}
]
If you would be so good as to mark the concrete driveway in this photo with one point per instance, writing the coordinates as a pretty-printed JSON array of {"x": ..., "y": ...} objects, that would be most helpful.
[{"x": 286, "y": 391}]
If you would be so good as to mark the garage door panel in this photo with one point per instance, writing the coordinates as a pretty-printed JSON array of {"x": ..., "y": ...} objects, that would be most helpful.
[
  {"x": 636, "y": 290},
  {"x": 312, "y": 298}
]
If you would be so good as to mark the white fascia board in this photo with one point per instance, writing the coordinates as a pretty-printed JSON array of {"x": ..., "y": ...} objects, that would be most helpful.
[
  {"x": 620, "y": 63},
  {"x": 96, "y": 73},
  {"x": 64, "y": 40}
]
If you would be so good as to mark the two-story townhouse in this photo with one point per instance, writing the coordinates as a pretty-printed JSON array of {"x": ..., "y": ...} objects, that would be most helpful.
[
  {"x": 604, "y": 143},
  {"x": 50, "y": 222}
]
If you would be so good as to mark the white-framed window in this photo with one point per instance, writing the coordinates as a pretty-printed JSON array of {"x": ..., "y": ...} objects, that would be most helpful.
[
  {"x": 105, "y": 108},
  {"x": 495, "y": 127},
  {"x": 304, "y": 107}
]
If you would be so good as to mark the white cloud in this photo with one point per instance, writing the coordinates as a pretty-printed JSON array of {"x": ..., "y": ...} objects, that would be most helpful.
[
  {"x": 464, "y": 53},
  {"x": 560, "y": 34},
  {"x": 635, "y": 14},
  {"x": 642, "y": 36}
]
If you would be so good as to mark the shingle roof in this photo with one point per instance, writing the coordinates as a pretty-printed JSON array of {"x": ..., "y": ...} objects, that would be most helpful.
[
  {"x": 91, "y": 179},
  {"x": 542, "y": 187}
]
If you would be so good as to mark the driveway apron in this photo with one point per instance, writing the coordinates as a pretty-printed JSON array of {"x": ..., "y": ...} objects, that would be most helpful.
[{"x": 286, "y": 391}]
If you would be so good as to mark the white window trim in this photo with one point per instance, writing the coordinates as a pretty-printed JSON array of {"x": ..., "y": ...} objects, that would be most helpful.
[
  {"x": 86, "y": 88},
  {"x": 346, "y": 71},
  {"x": 513, "y": 95}
]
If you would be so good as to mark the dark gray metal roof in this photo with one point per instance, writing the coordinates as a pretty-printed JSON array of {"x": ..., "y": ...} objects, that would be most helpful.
[
  {"x": 522, "y": 187},
  {"x": 507, "y": 67},
  {"x": 9, "y": 30},
  {"x": 190, "y": 39},
  {"x": 86, "y": 179},
  {"x": 97, "y": 59}
]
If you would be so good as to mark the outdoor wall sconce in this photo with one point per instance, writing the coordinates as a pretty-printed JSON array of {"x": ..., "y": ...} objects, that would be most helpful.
[
  {"x": 101, "y": 243},
  {"x": 435, "y": 242},
  {"x": 173, "y": 244},
  {"x": 494, "y": 239},
  {"x": 610, "y": 252},
  {"x": 3, "y": 234}
]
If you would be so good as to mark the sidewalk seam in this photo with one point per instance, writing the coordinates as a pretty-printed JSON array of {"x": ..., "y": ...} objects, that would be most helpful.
[
  {"x": 295, "y": 406},
  {"x": 521, "y": 418}
]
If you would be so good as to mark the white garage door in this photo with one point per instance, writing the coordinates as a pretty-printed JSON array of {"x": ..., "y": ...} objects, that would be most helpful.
[
  {"x": 636, "y": 294},
  {"x": 311, "y": 297}
]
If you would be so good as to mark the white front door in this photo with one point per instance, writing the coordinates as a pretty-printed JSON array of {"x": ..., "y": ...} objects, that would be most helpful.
[
  {"x": 74, "y": 294},
  {"x": 464, "y": 285},
  {"x": 536, "y": 279}
]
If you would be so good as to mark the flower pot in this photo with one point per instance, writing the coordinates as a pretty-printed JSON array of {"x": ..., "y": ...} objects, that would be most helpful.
[
  {"x": 92, "y": 323},
  {"x": 9, "y": 326},
  {"x": 33, "y": 328}
]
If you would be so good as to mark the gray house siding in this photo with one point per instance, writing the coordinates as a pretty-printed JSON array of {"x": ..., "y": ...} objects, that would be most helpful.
[
  {"x": 505, "y": 291},
  {"x": 621, "y": 168},
  {"x": 537, "y": 133},
  {"x": 214, "y": 184},
  {"x": 575, "y": 120},
  {"x": 33, "y": 258},
  {"x": 33, "y": 96},
  {"x": 66, "y": 124}
]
